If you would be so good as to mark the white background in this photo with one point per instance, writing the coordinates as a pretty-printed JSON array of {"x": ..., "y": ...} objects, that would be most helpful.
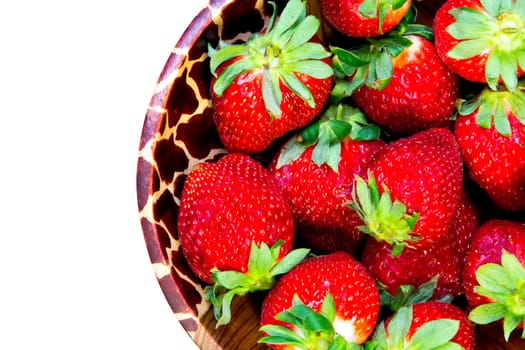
[{"x": 75, "y": 82}]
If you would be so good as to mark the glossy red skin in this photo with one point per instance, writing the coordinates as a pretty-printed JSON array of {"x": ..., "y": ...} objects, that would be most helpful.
[
  {"x": 495, "y": 162},
  {"x": 492, "y": 237},
  {"x": 444, "y": 259},
  {"x": 423, "y": 171},
  {"x": 353, "y": 289},
  {"x": 344, "y": 16},
  {"x": 420, "y": 95},
  {"x": 243, "y": 123},
  {"x": 319, "y": 197},
  {"x": 435, "y": 310},
  {"x": 472, "y": 69},
  {"x": 224, "y": 207}
]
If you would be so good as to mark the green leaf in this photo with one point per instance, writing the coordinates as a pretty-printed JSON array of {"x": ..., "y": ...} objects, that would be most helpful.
[
  {"x": 229, "y": 74},
  {"x": 492, "y": 70},
  {"x": 294, "y": 11},
  {"x": 368, "y": 8},
  {"x": 315, "y": 322},
  {"x": 433, "y": 334},
  {"x": 292, "y": 151},
  {"x": 298, "y": 87},
  {"x": 495, "y": 278},
  {"x": 328, "y": 307},
  {"x": 314, "y": 68},
  {"x": 421, "y": 30},
  {"x": 468, "y": 107},
  {"x": 467, "y": 49},
  {"x": 398, "y": 327},
  {"x": 487, "y": 313},
  {"x": 271, "y": 92},
  {"x": 308, "y": 50},
  {"x": 349, "y": 58},
  {"x": 224, "y": 54},
  {"x": 231, "y": 279},
  {"x": 289, "y": 261},
  {"x": 484, "y": 115},
  {"x": 491, "y": 6},
  {"x": 280, "y": 335},
  {"x": 304, "y": 32},
  {"x": 310, "y": 134},
  {"x": 501, "y": 120},
  {"x": 259, "y": 260},
  {"x": 449, "y": 346},
  {"x": 510, "y": 323},
  {"x": 512, "y": 264},
  {"x": 508, "y": 70},
  {"x": 383, "y": 68},
  {"x": 225, "y": 316},
  {"x": 393, "y": 45}
]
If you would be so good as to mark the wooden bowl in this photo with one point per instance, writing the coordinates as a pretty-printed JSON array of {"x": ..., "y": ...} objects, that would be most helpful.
[{"x": 178, "y": 133}]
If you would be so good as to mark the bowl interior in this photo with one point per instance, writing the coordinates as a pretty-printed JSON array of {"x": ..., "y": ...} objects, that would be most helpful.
[{"x": 179, "y": 133}]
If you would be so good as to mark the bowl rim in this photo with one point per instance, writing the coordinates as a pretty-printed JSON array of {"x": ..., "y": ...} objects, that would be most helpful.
[{"x": 183, "y": 312}]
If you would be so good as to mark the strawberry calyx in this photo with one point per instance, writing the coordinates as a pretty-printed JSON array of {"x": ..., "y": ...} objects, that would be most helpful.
[
  {"x": 379, "y": 9},
  {"x": 383, "y": 219},
  {"x": 309, "y": 329},
  {"x": 432, "y": 335},
  {"x": 492, "y": 108},
  {"x": 264, "y": 265},
  {"x": 504, "y": 285},
  {"x": 280, "y": 53},
  {"x": 407, "y": 294},
  {"x": 371, "y": 62},
  {"x": 498, "y": 28},
  {"x": 326, "y": 133}
]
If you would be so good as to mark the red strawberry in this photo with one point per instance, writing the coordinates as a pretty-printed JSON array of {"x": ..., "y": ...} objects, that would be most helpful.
[
  {"x": 427, "y": 325},
  {"x": 494, "y": 274},
  {"x": 316, "y": 169},
  {"x": 399, "y": 82},
  {"x": 413, "y": 191},
  {"x": 364, "y": 18},
  {"x": 443, "y": 260},
  {"x": 235, "y": 228},
  {"x": 341, "y": 294},
  {"x": 275, "y": 82},
  {"x": 482, "y": 41},
  {"x": 491, "y": 135}
]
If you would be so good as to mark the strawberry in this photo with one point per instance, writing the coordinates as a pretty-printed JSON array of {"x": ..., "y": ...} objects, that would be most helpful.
[
  {"x": 342, "y": 297},
  {"x": 427, "y": 325},
  {"x": 235, "y": 229},
  {"x": 494, "y": 274},
  {"x": 481, "y": 40},
  {"x": 399, "y": 81},
  {"x": 315, "y": 170},
  {"x": 364, "y": 18},
  {"x": 413, "y": 190},
  {"x": 275, "y": 82},
  {"x": 491, "y": 135},
  {"x": 443, "y": 260}
]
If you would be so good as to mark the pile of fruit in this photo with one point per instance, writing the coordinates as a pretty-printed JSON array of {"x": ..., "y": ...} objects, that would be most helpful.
[{"x": 387, "y": 214}]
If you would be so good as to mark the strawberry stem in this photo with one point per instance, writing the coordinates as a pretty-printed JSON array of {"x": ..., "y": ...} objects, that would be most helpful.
[
  {"x": 264, "y": 265},
  {"x": 326, "y": 133},
  {"x": 383, "y": 219},
  {"x": 499, "y": 29},
  {"x": 504, "y": 285},
  {"x": 306, "y": 328},
  {"x": 491, "y": 108},
  {"x": 432, "y": 335},
  {"x": 281, "y": 53}
]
